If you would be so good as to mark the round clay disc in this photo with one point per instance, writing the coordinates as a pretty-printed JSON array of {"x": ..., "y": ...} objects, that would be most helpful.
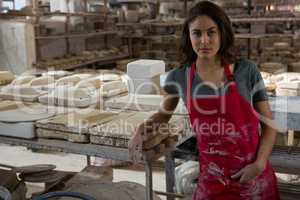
[
  {"x": 34, "y": 168},
  {"x": 42, "y": 177}
]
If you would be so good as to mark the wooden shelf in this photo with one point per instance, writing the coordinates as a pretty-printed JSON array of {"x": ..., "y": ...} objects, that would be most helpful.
[
  {"x": 69, "y": 147},
  {"x": 79, "y": 14},
  {"x": 263, "y": 19},
  {"x": 101, "y": 60},
  {"x": 79, "y": 35},
  {"x": 16, "y": 14},
  {"x": 137, "y": 1},
  {"x": 258, "y": 36}
]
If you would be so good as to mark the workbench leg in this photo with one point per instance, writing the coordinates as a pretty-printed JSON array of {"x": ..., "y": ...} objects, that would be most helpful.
[
  {"x": 88, "y": 161},
  {"x": 149, "y": 183},
  {"x": 290, "y": 137},
  {"x": 170, "y": 174}
]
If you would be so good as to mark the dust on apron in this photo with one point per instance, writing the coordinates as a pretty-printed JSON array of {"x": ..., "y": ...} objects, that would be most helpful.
[{"x": 226, "y": 128}]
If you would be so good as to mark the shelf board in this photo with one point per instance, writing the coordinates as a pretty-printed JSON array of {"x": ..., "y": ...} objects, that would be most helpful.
[
  {"x": 137, "y": 1},
  {"x": 263, "y": 19},
  {"x": 258, "y": 36},
  {"x": 147, "y": 37},
  {"x": 79, "y": 14},
  {"x": 91, "y": 34},
  {"x": 69, "y": 147},
  {"x": 16, "y": 14},
  {"x": 101, "y": 60}
]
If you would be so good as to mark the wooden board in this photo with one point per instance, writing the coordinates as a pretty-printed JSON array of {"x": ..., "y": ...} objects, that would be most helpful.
[
  {"x": 109, "y": 141},
  {"x": 122, "y": 126},
  {"x": 53, "y": 134},
  {"x": 77, "y": 121},
  {"x": 142, "y": 103}
]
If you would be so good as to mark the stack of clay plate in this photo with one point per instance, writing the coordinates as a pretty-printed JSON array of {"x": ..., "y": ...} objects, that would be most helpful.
[
  {"x": 76, "y": 91},
  {"x": 118, "y": 132},
  {"x": 273, "y": 67},
  {"x": 24, "y": 88},
  {"x": 294, "y": 67},
  {"x": 57, "y": 74},
  {"x": 17, "y": 118},
  {"x": 6, "y": 77},
  {"x": 269, "y": 83},
  {"x": 72, "y": 126},
  {"x": 140, "y": 102},
  {"x": 288, "y": 84},
  {"x": 62, "y": 89},
  {"x": 281, "y": 46}
]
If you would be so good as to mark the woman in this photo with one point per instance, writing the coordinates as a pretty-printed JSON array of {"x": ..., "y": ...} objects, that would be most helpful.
[{"x": 226, "y": 101}]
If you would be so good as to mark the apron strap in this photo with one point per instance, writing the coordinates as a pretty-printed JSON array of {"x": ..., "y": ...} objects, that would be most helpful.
[
  {"x": 228, "y": 73},
  {"x": 191, "y": 75}
]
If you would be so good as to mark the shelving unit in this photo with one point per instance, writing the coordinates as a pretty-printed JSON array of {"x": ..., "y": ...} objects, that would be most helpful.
[
  {"x": 100, "y": 30},
  {"x": 68, "y": 35},
  {"x": 261, "y": 36}
]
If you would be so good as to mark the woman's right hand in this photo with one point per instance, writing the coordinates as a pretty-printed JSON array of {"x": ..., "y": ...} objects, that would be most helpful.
[{"x": 135, "y": 145}]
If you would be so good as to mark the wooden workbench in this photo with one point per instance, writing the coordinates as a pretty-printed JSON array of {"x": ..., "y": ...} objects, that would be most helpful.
[{"x": 84, "y": 149}]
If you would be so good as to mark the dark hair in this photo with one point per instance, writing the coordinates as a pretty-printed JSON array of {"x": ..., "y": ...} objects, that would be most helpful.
[{"x": 207, "y": 8}]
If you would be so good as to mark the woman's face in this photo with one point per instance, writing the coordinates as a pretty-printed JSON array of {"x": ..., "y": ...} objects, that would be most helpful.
[{"x": 205, "y": 37}]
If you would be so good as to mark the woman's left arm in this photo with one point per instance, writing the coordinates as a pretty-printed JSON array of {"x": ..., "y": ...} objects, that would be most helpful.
[
  {"x": 268, "y": 132},
  {"x": 267, "y": 141}
]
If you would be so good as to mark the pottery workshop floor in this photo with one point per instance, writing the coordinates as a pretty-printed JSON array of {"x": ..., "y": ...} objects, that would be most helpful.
[{"x": 20, "y": 156}]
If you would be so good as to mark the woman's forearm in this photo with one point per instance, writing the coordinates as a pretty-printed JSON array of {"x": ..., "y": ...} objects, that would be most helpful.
[
  {"x": 268, "y": 133},
  {"x": 267, "y": 142}
]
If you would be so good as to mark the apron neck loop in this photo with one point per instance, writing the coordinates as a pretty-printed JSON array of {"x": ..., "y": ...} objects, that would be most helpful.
[{"x": 228, "y": 72}]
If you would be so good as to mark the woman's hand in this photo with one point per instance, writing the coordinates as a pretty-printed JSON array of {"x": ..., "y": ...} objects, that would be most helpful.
[
  {"x": 135, "y": 145},
  {"x": 249, "y": 173},
  {"x": 147, "y": 128}
]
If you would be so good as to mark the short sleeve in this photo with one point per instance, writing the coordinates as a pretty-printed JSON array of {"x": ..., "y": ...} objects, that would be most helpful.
[
  {"x": 259, "y": 92},
  {"x": 171, "y": 83}
]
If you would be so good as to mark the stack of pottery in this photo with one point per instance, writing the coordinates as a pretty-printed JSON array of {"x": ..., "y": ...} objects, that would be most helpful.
[{"x": 273, "y": 67}]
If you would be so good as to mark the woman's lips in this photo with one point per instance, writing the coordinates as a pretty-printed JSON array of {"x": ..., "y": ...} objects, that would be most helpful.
[{"x": 204, "y": 50}]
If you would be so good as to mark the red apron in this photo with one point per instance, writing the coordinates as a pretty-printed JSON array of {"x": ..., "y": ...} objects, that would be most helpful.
[{"x": 227, "y": 140}]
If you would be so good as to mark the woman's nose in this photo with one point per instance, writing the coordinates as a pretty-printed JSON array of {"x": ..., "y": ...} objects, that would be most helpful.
[{"x": 204, "y": 38}]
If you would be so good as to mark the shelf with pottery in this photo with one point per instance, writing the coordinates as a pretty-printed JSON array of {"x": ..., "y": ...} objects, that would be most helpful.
[
  {"x": 76, "y": 35},
  {"x": 70, "y": 37},
  {"x": 263, "y": 19},
  {"x": 81, "y": 61}
]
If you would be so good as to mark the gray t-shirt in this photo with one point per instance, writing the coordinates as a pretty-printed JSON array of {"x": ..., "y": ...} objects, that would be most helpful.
[{"x": 247, "y": 76}]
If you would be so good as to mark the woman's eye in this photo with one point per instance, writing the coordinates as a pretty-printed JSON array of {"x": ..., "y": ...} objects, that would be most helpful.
[
  {"x": 197, "y": 34},
  {"x": 210, "y": 33}
]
